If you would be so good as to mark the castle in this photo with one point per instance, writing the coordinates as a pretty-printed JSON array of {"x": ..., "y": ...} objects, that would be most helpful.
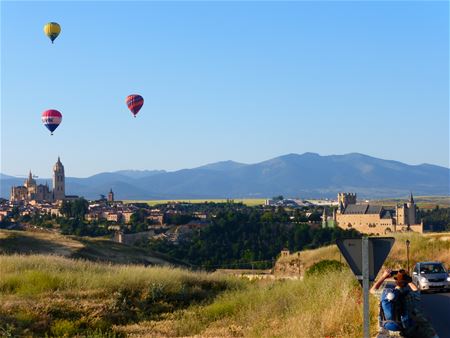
[
  {"x": 31, "y": 191},
  {"x": 374, "y": 219}
]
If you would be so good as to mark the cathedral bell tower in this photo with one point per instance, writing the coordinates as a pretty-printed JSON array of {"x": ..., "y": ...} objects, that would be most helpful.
[{"x": 59, "y": 186}]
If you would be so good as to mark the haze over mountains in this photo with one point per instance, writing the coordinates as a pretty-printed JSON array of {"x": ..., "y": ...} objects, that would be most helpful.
[{"x": 306, "y": 176}]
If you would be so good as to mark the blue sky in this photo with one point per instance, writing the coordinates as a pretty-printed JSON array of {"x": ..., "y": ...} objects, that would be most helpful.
[{"x": 245, "y": 81}]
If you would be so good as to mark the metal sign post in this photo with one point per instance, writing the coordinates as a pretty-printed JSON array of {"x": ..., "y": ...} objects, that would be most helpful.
[
  {"x": 365, "y": 280},
  {"x": 365, "y": 256}
]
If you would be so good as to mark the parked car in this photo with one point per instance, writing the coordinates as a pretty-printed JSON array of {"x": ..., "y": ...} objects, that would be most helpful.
[{"x": 429, "y": 276}]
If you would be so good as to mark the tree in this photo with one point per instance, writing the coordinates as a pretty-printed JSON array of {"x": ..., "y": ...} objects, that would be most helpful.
[
  {"x": 66, "y": 209},
  {"x": 15, "y": 213},
  {"x": 79, "y": 208},
  {"x": 138, "y": 217},
  {"x": 76, "y": 208},
  {"x": 315, "y": 217}
]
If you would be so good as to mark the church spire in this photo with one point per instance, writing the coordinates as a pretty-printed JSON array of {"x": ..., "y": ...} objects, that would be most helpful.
[{"x": 411, "y": 199}]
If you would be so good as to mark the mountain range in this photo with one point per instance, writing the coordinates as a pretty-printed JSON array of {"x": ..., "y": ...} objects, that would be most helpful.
[{"x": 308, "y": 175}]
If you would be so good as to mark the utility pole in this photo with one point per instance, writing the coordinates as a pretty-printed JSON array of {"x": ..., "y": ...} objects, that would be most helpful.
[{"x": 407, "y": 254}]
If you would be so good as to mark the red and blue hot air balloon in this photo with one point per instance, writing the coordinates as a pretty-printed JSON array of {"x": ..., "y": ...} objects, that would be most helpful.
[
  {"x": 51, "y": 119},
  {"x": 134, "y": 103}
]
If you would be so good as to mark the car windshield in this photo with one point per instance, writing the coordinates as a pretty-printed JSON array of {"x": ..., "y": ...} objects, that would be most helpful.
[{"x": 432, "y": 268}]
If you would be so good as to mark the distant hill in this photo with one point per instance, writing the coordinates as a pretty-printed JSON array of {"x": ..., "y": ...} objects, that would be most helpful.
[
  {"x": 223, "y": 166},
  {"x": 139, "y": 173},
  {"x": 308, "y": 175}
]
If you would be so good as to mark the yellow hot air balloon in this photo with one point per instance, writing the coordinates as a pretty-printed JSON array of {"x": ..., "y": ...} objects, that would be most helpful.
[{"x": 52, "y": 30}]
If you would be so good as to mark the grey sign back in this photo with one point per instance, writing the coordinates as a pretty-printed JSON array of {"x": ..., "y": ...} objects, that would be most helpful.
[{"x": 379, "y": 248}]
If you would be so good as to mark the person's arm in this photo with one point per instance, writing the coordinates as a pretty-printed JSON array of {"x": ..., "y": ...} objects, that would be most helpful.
[
  {"x": 413, "y": 286},
  {"x": 376, "y": 286}
]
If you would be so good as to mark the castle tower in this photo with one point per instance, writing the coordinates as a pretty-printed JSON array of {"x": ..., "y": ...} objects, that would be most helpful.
[
  {"x": 59, "y": 185},
  {"x": 345, "y": 199},
  {"x": 411, "y": 214},
  {"x": 411, "y": 201},
  {"x": 110, "y": 196}
]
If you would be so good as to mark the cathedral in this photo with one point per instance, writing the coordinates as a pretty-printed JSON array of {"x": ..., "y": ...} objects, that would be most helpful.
[{"x": 31, "y": 191}]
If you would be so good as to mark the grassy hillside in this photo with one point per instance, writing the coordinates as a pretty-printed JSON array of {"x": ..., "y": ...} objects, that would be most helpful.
[
  {"x": 95, "y": 249},
  {"x": 58, "y": 296},
  {"x": 427, "y": 247},
  {"x": 54, "y": 295},
  {"x": 61, "y": 297}
]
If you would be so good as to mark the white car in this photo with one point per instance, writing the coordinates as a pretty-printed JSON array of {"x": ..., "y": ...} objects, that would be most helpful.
[{"x": 429, "y": 276}]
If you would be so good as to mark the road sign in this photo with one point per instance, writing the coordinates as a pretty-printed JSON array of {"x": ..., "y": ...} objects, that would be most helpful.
[
  {"x": 365, "y": 256},
  {"x": 379, "y": 248}
]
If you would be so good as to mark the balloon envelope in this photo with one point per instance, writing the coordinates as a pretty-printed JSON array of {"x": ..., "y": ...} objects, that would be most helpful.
[
  {"x": 52, "y": 30},
  {"x": 134, "y": 103},
  {"x": 51, "y": 119}
]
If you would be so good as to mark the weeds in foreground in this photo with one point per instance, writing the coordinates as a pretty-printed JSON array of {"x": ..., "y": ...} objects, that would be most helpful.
[
  {"x": 324, "y": 305},
  {"x": 61, "y": 297},
  {"x": 46, "y": 295}
]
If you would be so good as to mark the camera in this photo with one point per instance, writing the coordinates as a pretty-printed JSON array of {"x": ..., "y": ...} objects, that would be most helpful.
[{"x": 394, "y": 272}]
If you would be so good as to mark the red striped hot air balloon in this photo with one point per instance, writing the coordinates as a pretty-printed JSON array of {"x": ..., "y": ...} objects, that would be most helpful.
[
  {"x": 134, "y": 103},
  {"x": 51, "y": 119}
]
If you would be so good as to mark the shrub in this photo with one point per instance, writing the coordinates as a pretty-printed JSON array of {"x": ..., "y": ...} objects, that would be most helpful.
[
  {"x": 63, "y": 328},
  {"x": 324, "y": 266}
]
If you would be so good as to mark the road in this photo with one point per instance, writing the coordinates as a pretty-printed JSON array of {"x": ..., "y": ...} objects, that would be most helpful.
[{"x": 436, "y": 307}]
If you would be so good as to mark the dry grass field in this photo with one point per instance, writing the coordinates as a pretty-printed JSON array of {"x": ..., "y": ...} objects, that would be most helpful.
[
  {"x": 61, "y": 297},
  {"x": 57, "y": 296},
  {"x": 94, "y": 249}
]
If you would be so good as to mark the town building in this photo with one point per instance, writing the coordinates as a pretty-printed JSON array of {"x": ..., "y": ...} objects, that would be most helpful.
[
  {"x": 30, "y": 191},
  {"x": 376, "y": 219}
]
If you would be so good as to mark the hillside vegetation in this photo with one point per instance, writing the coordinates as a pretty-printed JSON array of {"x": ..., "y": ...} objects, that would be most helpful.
[
  {"x": 54, "y": 295},
  {"x": 427, "y": 247},
  {"x": 95, "y": 249},
  {"x": 57, "y": 296}
]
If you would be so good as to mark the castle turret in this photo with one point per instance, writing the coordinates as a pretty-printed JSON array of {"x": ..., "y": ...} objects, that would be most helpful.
[
  {"x": 411, "y": 214},
  {"x": 411, "y": 200},
  {"x": 406, "y": 213},
  {"x": 59, "y": 186},
  {"x": 345, "y": 199}
]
